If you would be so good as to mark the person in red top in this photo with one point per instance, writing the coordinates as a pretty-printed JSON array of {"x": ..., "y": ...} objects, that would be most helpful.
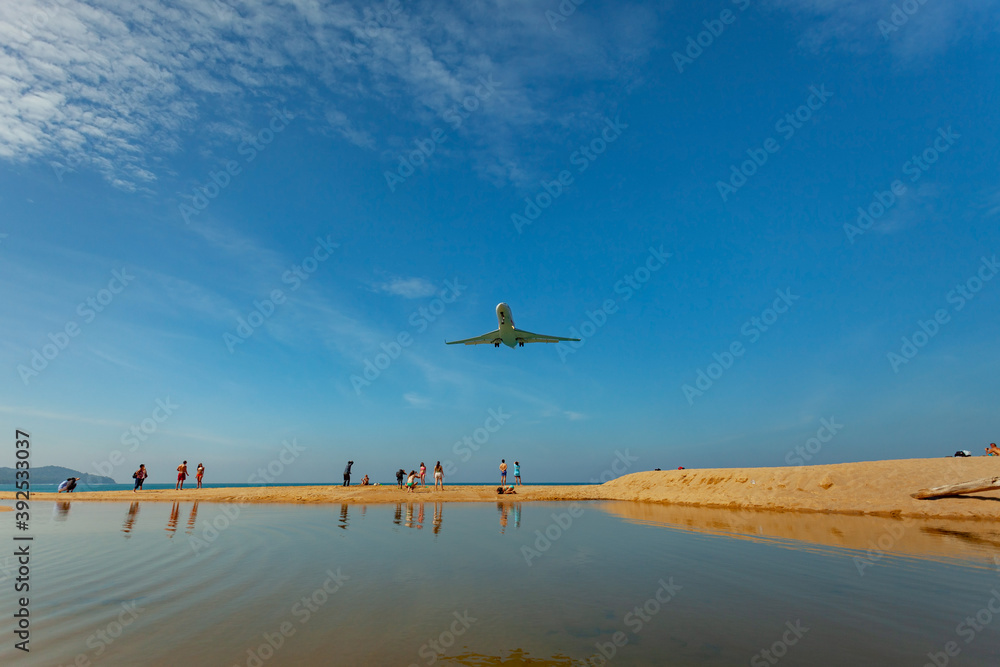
[{"x": 182, "y": 473}]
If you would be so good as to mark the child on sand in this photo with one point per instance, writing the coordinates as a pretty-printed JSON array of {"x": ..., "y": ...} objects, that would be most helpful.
[{"x": 411, "y": 481}]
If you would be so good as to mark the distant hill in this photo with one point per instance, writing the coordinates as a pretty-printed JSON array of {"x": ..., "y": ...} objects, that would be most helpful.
[{"x": 54, "y": 475}]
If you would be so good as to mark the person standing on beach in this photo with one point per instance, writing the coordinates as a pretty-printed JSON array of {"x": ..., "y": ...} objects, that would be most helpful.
[
  {"x": 140, "y": 476},
  {"x": 438, "y": 476},
  {"x": 400, "y": 474},
  {"x": 423, "y": 474},
  {"x": 182, "y": 473},
  {"x": 503, "y": 472},
  {"x": 200, "y": 470},
  {"x": 517, "y": 473},
  {"x": 347, "y": 473}
]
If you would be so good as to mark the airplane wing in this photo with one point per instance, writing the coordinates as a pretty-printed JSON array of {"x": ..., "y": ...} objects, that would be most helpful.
[
  {"x": 528, "y": 337},
  {"x": 492, "y": 338}
]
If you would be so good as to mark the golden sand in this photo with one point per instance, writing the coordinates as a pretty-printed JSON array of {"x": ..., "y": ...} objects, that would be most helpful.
[{"x": 880, "y": 488}]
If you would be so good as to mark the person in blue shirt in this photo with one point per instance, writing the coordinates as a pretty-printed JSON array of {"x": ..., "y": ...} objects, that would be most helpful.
[{"x": 517, "y": 473}]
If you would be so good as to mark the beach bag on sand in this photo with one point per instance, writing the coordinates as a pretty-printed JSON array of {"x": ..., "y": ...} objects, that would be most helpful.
[{"x": 963, "y": 452}]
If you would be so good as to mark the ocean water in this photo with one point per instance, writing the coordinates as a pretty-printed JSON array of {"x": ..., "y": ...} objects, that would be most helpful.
[{"x": 510, "y": 583}]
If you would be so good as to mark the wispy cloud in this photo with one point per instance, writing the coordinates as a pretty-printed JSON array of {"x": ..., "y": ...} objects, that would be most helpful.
[
  {"x": 114, "y": 85},
  {"x": 409, "y": 288}
]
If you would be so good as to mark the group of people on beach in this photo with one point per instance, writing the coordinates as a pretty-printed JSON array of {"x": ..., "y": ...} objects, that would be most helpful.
[
  {"x": 141, "y": 474},
  {"x": 419, "y": 477},
  {"x": 414, "y": 477}
]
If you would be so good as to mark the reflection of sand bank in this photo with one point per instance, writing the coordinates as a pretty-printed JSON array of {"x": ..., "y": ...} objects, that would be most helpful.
[{"x": 935, "y": 539}]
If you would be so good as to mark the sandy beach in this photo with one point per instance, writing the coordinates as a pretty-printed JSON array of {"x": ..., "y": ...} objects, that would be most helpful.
[{"x": 879, "y": 488}]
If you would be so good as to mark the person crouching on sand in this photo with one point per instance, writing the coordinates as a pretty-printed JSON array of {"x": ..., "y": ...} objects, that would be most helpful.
[
  {"x": 182, "y": 473},
  {"x": 411, "y": 481},
  {"x": 993, "y": 450}
]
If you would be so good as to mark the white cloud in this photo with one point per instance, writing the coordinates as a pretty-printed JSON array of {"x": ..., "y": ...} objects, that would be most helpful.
[
  {"x": 112, "y": 85},
  {"x": 409, "y": 288}
]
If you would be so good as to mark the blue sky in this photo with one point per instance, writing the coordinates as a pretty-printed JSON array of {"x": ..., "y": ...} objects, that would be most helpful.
[{"x": 676, "y": 182}]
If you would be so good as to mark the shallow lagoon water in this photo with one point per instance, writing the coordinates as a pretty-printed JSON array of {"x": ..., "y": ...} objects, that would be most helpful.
[{"x": 493, "y": 583}]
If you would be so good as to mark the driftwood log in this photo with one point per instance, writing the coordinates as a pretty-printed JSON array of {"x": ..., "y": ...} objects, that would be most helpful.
[{"x": 985, "y": 484}]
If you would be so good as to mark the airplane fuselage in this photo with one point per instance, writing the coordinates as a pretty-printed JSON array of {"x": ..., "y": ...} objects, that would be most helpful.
[{"x": 505, "y": 323}]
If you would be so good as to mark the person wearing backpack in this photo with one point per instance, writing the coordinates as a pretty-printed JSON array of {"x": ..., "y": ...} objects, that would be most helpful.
[{"x": 139, "y": 476}]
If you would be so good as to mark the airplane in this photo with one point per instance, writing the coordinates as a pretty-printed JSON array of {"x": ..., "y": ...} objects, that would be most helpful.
[{"x": 507, "y": 334}]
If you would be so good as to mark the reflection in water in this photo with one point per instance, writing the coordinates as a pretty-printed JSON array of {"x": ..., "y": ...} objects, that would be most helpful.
[
  {"x": 343, "y": 516},
  {"x": 61, "y": 510},
  {"x": 936, "y": 539},
  {"x": 172, "y": 521},
  {"x": 398, "y": 517},
  {"x": 503, "y": 509},
  {"x": 409, "y": 516},
  {"x": 192, "y": 518},
  {"x": 130, "y": 517},
  {"x": 438, "y": 509}
]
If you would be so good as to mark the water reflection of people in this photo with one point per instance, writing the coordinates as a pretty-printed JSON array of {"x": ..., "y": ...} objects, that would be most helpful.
[
  {"x": 130, "y": 517},
  {"x": 410, "y": 523},
  {"x": 503, "y": 508},
  {"x": 517, "y": 514},
  {"x": 192, "y": 518},
  {"x": 61, "y": 510},
  {"x": 343, "y": 516},
  {"x": 398, "y": 519},
  {"x": 172, "y": 521},
  {"x": 438, "y": 507}
]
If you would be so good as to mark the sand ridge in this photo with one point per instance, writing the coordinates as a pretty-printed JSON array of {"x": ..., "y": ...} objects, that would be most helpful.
[{"x": 880, "y": 488}]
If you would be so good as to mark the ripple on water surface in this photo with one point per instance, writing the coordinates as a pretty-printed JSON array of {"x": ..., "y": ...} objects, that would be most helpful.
[{"x": 484, "y": 584}]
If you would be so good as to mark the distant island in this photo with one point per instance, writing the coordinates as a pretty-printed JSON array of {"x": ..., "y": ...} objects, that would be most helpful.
[{"x": 54, "y": 475}]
